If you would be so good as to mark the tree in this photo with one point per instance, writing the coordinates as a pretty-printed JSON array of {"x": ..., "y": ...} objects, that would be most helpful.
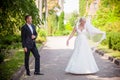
[
  {"x": 52, "y": 23},
  {"x": 82, "y": 7},
  {"x": 61, "y": 22},
  {"x": 108, "y": 17},
  {"x": 12, "y": 15}
]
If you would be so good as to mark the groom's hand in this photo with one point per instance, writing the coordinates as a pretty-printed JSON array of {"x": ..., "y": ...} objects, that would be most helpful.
[
  {"x": 25, "y": 49},
  {"x": 33, "y": 36}
]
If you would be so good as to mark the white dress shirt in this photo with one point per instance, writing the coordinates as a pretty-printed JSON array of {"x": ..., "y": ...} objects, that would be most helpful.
[{"x": 30, "y": 27}]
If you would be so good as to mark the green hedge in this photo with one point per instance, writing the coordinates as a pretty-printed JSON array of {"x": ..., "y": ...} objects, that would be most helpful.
[
  {"x": 113, "y": 40},
  {"x": 8, "y": 40},
  {"x": 5, "y": 44}
]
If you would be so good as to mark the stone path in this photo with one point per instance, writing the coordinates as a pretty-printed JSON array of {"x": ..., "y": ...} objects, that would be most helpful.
[{"x": 55, "y": 56}]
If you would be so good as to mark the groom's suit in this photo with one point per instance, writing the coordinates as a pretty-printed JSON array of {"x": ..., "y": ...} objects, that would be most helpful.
[{"x": 29, "y": 43}]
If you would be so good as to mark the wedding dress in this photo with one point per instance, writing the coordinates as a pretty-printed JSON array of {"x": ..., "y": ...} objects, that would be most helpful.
[{"x": 82, "y": 60}]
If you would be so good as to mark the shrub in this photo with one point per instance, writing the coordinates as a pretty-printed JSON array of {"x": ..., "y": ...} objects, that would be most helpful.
[
  {"x": 109, "y": 43},
  {"x": 61, "y": 22},
  {"x": 68, "y": 26},
  {"x": 9, "y": 40},
  {"x": 113, "y": 40},
  {"x": 52, "y": 24},
  {"x": 2, "y": 56},
  {"x": 66, "y": 32},
  {"x": 73, "y": 18},
  {"x": 41, "y": 35}
]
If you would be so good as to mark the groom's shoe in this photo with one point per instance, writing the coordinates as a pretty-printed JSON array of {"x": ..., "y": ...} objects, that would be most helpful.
[
  {"x": 38, "y": 73},
  {"x": 28, "y": 73}
]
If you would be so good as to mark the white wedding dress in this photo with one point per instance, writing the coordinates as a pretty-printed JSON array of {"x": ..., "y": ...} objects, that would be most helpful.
[{"x": 82, "y": 60}]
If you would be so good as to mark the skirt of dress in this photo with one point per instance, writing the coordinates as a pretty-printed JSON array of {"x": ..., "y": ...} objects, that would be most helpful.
[{"x": 82, "y": 60}]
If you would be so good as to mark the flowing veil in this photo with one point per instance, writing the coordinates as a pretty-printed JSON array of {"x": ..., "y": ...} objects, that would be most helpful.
[{"x": 94, "y": 35}]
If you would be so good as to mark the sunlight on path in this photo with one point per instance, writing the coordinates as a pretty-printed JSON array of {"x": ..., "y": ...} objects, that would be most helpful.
[{"x": 59, "y": 43}]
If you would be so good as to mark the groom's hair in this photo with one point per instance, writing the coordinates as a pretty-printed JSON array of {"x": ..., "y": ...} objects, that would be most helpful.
[{"x": 27, "y": 16}]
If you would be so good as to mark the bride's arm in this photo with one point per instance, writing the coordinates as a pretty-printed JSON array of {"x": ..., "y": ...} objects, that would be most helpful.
[{"x": 71, "y": 35}]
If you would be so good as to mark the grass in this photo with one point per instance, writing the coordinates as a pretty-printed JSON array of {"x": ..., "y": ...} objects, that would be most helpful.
[
  {"x": 12, "y": 63},
  {"x": 111, "y": 52}
]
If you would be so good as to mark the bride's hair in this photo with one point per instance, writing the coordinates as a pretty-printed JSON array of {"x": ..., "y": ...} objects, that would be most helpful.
[
  {"x": 79, "y": 20},
  {"x": 82, "y": 19}
]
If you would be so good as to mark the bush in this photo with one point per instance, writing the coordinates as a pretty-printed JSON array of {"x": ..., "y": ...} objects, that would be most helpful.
[
  {"x": 68, "y": 29},
  {"x": 68, "y": 26},
  {"x": 106, "y": 41},
  {"x": 2, "y": 56},
  {"x": 107, "y": 17},
  {"x": 73, "y": 19},
  {"x": 61, "y": 22},
  {"x": 66, "y": 32},
  {"x": 9, "y": 40},
  {"x": 82, "y": 7},
  {"x": 52, "y": 24},
  {"x": 110, "y": 45},
  {"x": 113, "y": 40},
  {"x": 41, "y": 35},
  {"x": 6, "y": 43}
]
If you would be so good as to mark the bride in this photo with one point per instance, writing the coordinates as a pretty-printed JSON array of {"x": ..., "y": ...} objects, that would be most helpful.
[{"x": 82, "y": 60}]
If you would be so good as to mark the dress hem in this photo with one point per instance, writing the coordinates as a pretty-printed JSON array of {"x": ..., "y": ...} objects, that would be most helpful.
[{"x": 82, "y": 73}]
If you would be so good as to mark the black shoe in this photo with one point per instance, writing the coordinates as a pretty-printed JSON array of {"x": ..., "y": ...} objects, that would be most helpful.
[
  {"x": 38, "y": 73},
  {"x": 28, "y": 73}
]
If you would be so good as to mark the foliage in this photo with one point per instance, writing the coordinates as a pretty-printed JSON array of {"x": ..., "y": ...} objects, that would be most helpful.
[
  {"x": 61, "y": 22},
  {"x": 68, "y": 26},
  {"x": 113, "y": 40},
  {"x": 61, "y": 28},
  {"x": 73, "y": 18},
  {"x": 55, "y": 24},
  {"x": 68, "y": 29},
  {"x": 110, "y": 52},
  {"x": 41, "y": 35},
  {"x": 82, "y": 7},
  {"x": 12, "y": 63},
  {"x": 108, "y": 17},
  {"x": 52, "y": 23},
  {"x": 11, "y": 20},
  {"x": 70, "y": 23},
  {"x": 52, "y": 4},
  {"x": 12, "y": 15},
  {"x": 2, "y": 56}
]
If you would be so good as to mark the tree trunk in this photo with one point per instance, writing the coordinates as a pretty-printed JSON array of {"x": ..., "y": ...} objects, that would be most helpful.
[
  {"x": 46, "y": 13},
  {"x": 40, "y": 8}
]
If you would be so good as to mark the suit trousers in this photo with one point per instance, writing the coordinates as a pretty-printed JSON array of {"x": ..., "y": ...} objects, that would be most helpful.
[{"x": 36, "y": 56}]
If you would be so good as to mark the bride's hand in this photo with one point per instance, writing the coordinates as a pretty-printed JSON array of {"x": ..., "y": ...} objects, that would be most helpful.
[{"x": 67, "y": 43}]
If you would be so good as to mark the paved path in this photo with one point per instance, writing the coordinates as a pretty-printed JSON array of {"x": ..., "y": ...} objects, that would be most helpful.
[{"x": 55, "y": 56}]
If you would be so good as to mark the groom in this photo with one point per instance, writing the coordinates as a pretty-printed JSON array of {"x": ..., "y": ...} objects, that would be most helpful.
[{"x": 28, "y": 35}]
